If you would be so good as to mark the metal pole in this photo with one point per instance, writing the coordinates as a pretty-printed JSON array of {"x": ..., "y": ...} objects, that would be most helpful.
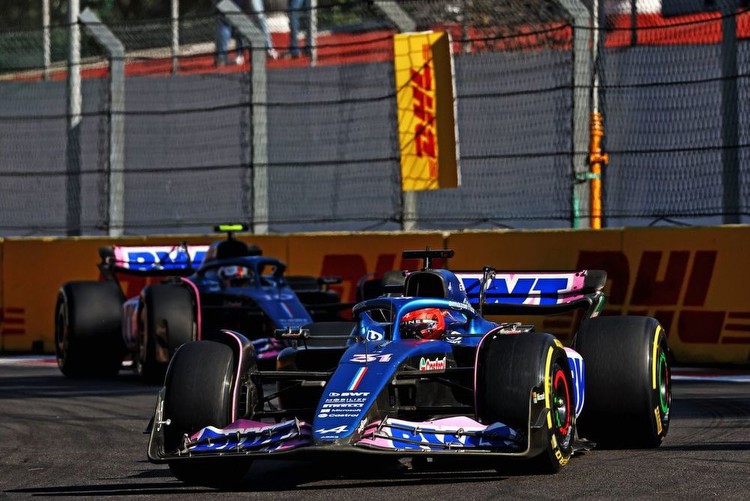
[
  {"x": 398, "y": 16},
  {"x": 116, "y": 52},
  {"x": 596, "y": 158},
  {"x": 313, "y": 27},
  {"x": 259, "y": 168},
  {"x": 73, "y": 144},
  {"x": 175, "y": 35},
  {"x": 405, "y": 24},
  {"x": 583, "y": 65},
  {"x": 729, "y": 114},
  {"x": 595, "y": 57},
  {"x": 46, "y": 40}
]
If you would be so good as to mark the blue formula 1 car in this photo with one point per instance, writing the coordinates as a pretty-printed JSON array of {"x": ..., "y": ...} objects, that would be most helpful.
[
  {"x": 421, "y": 373},
  {"x": 200, "y": 289}
]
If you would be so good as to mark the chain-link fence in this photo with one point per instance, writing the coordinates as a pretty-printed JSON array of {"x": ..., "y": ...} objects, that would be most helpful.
[{"x": 331, "y": 127}]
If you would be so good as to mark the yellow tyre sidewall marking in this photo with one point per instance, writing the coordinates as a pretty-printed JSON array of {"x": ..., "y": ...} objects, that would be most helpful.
[
  {"x": 654, "y": 360},
  {"x": 548, "y": 386}
]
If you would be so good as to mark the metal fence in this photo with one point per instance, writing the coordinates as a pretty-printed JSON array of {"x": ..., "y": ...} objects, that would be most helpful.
[{"x": 673, "y": 93}]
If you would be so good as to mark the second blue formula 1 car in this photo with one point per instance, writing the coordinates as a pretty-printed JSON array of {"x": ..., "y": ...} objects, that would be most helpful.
[
  {"x": 201, "y": 289},
  {"x": 422, "y": 373}
]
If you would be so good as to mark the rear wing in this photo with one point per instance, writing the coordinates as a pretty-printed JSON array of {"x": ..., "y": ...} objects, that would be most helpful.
[
  {"x": 152, "y": 260},
  {"x": 533, "y": 293}
]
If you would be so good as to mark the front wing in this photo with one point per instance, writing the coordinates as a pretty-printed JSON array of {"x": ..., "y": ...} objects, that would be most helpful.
[{"x": 447, "y": 436}]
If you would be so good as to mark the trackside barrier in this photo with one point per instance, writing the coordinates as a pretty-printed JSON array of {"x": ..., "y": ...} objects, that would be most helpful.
[{"x": 694, "y": 280}]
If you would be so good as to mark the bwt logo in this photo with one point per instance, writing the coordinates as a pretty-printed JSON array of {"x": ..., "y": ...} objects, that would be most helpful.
[
  {"x": 146, "y": 260},
  {"x": 519, "y": 290}
]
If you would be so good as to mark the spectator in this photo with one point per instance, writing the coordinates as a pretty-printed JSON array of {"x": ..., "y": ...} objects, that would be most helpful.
[
  {"x": 299, "y": 10},
  {"x": 258, "y": 10},
  {"x": 225, "y": 32}
]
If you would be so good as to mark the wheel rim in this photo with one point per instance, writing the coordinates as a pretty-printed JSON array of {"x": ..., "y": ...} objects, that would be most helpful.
[
  {"x": 561, "y": 402},
  {"x": 665, "y": 394}
]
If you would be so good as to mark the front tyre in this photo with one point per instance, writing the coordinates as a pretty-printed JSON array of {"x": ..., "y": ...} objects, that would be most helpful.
[
  {"x": 508, "y": 367},
  {"x": 628, "y": 381},
  {"x": 199, "y": 393}
]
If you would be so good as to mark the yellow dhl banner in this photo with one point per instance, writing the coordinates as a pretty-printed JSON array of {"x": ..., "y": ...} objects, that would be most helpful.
[{"x": 426, "y": 118}]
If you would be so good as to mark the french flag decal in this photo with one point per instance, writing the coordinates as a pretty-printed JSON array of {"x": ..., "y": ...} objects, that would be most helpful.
[
  {"x": 357, "y": 379},
  {"x": 286, "y": 309}
]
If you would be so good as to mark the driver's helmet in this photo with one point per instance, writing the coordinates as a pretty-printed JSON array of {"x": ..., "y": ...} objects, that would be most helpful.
[
  {"x": 427, "y": 323},
  {"x": 234, "y": 275}
]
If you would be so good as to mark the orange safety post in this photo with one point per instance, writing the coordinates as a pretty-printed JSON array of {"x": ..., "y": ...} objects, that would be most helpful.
[{"x": 596, "y": 159}]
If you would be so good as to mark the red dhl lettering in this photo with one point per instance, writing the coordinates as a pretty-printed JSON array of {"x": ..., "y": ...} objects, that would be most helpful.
[
  {"x": 424, "y": 110},
  {"x": 660, "y": 297}
]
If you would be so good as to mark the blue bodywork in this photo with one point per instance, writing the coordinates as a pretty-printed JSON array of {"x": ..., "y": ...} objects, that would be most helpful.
[{"x": 376, "y": 356}]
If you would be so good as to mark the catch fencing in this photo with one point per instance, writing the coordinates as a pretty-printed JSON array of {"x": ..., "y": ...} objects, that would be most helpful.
[{"x": 673, "y": 93}]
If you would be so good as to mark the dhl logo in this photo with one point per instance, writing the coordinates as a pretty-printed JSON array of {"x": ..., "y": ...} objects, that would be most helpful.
[
  {"x": 12, "y": 321},
  {"x": 677, "y": 298},
  {"x": 424, "y": 110}
]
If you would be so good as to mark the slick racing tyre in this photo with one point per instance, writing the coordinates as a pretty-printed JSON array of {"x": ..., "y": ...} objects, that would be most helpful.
[
  {"x": 167, "y": 322},
  {"x": 628, "y": 386},
  {"x": 88, "y": 329},
  {"x": 508, "y": 367},
  {"x": 198, "y": 393}
]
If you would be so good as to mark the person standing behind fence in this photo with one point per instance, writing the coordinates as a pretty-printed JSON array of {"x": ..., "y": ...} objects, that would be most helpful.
[
  {"x": 299, "y": 18},
  {"x": 225, "y": 32},
  {"x": 259, "y": 11}
]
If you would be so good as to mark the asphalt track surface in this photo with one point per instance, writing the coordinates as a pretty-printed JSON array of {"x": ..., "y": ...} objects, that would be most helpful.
[{"x": 63, "y": 438}]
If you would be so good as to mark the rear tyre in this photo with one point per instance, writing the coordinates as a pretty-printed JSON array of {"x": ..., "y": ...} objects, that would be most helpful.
[
  {"x": 628, "y": 381},
  {"x": 88, "y": 329},
  {"x": 167, "y": 322},
  {"x": 199, "y": 386},
  {"x": 509, "y": 367}
]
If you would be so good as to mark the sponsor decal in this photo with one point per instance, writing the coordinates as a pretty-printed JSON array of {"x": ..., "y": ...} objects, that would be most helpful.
[
  {"x": 453, "y": 337},
  {"x": 148, "y": 258},
  {"x": 521, "y": 288},
  {"x": 439, "y": 364},
  {"x": 659, "y": 429},
  {"x": 349, "y": 394},
  {"x": 575, "y": 361},
  {"x": 537, "y": 397},
  {"x": 333, "y": 431},
  {"x": 337, "y": 415},
  {"x": 374, "y": 335}
]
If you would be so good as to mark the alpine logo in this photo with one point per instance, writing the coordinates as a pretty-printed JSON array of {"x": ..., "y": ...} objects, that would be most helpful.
[
  {"x": 333, "y": 431},
  {"x": 439, "y": 364}
]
